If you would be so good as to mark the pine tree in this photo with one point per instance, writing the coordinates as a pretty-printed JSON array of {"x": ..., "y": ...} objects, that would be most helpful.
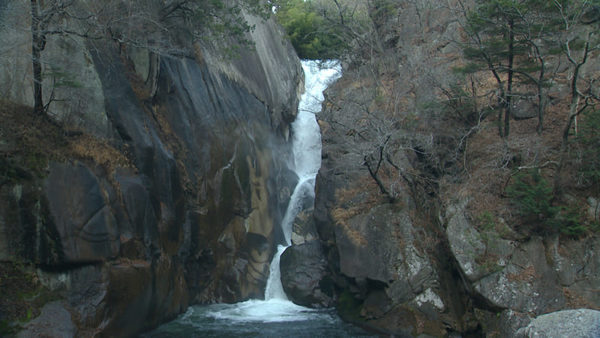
[{"x": 511, "y": 39}]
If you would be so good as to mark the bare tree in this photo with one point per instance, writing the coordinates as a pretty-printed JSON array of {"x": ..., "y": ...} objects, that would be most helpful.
[
  {"x": 41, "y": 19},
  {"x": 585, "y": 92}
]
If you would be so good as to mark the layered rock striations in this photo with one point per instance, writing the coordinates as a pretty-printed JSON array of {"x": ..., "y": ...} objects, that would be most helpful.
[{"x": 183, "y": 209}]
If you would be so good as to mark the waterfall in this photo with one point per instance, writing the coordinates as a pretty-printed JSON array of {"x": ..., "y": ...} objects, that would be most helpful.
[
  {"x": 276, "y": 315},
  {"x": 306, "y": 147}
]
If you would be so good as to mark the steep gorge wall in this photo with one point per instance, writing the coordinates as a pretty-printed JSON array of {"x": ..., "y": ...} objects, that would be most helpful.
[
  {"x": 414, "y": 259},
  {"x": 183, "y": 208}
]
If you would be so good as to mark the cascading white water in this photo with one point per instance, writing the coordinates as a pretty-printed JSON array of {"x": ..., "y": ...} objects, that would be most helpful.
[
  {"x": 274, "y": 289},
  {"x": 306, "y": 147},
  {"x": 276, "y": 316}
]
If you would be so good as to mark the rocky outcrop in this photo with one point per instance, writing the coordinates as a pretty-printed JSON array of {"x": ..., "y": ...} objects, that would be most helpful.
[
  {"x": 55, "y": 321},
  {"x": 385, "y": 245},
  {"x": 86, "y": 227},
  {"x": 526, "y": 276},
  {"x": 183, "y": 207},
  {"x": 507, "y": 274},
  {"x": 394, "y": 270},
  {"x": 303, "y": 229}
]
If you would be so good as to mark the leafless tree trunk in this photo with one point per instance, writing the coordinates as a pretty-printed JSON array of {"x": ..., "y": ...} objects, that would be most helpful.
[
  {"x": 576, "y": 107},
  {"x": 38, "y": 43}
]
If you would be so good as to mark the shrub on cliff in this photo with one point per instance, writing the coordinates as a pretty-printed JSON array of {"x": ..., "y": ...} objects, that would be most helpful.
[
  {"x": 533, "y": 197},
  {"x": 589, "y": 143}
]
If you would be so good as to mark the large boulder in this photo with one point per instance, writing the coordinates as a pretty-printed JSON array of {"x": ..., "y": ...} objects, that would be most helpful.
[
  {"x": 507, "y": 274},
  {"x": 472, "y": 248},
  {"x": 584, "y": 323},
  {"x": 304, "y": 275}
]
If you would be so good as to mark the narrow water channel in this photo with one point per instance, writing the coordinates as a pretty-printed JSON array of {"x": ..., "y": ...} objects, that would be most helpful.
[{"x": 276, "y": 316}]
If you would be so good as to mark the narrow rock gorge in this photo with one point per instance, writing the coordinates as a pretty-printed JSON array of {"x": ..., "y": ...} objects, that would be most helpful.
[{"x": 156, "y": 170}]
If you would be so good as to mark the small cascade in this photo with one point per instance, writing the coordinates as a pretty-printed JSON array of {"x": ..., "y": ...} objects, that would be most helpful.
[
  {"x": 303, "y": 192},
  {"x": 274, "y": 289}
]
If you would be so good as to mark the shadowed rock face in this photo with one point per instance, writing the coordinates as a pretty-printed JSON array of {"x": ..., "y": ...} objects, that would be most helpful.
[
  {"x": 192, "y": 217},
  {"x": 54, "y": 321},
  {"x": 87, "y": 228},
  {"x": 303, "y": 275}
]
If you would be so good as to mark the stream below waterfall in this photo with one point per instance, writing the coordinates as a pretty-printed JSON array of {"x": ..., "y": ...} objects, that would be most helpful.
[{"x": 276, "y": 316}]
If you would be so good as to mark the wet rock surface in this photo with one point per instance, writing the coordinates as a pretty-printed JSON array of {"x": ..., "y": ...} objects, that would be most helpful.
[
  {"x": 190, "y": 215},
  {"x": 83, "y": 219},
  {"x": 303, "y": 229}
]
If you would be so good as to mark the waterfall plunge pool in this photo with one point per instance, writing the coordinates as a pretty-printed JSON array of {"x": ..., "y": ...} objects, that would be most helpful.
[
  {"x": 257, "y": 318},
  {"x": 276, "y": 316}
]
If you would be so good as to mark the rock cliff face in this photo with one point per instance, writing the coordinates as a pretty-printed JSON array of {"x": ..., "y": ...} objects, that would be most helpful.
[
  {"x": 399, "y": 202},
  {"x": 182, "y": 208}
]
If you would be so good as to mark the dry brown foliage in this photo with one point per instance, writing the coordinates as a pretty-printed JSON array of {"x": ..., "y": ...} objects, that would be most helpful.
[
  {"x": 30, "y": 141},
  {"x": 98, "y": 151},
  {"x": 350, "y": 206},
  {"x": 489, "y": 163},
  {"x": 576, "y": 301},
  {"x": 528, "y": 274}
]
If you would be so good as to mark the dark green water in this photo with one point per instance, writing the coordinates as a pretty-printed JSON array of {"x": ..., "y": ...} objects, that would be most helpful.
[{"x": 273, "y": 318}]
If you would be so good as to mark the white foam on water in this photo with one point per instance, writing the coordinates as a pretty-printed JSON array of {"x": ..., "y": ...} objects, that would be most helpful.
[
  {"x": 264, "y": 311},
  {"x": 306, "y": 132}
]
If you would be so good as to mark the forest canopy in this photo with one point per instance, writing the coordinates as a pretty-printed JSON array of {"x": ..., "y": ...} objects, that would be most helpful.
[{"x": 320, "y": 29}]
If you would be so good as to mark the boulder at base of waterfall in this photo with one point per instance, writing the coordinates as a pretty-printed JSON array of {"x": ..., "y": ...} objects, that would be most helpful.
[
  {"x": 567, "y": 323},
  {"x": 304, "y": 275}
]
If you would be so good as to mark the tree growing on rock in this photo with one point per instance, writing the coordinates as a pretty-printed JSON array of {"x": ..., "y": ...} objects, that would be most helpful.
[
  {"x": 580, "y": 43},
  {"x": 521, "y": 43},
  {"x": 510, "y": 40},
  {"x": 164, "y": 27},
  {"x": 42, "y": 17}
]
